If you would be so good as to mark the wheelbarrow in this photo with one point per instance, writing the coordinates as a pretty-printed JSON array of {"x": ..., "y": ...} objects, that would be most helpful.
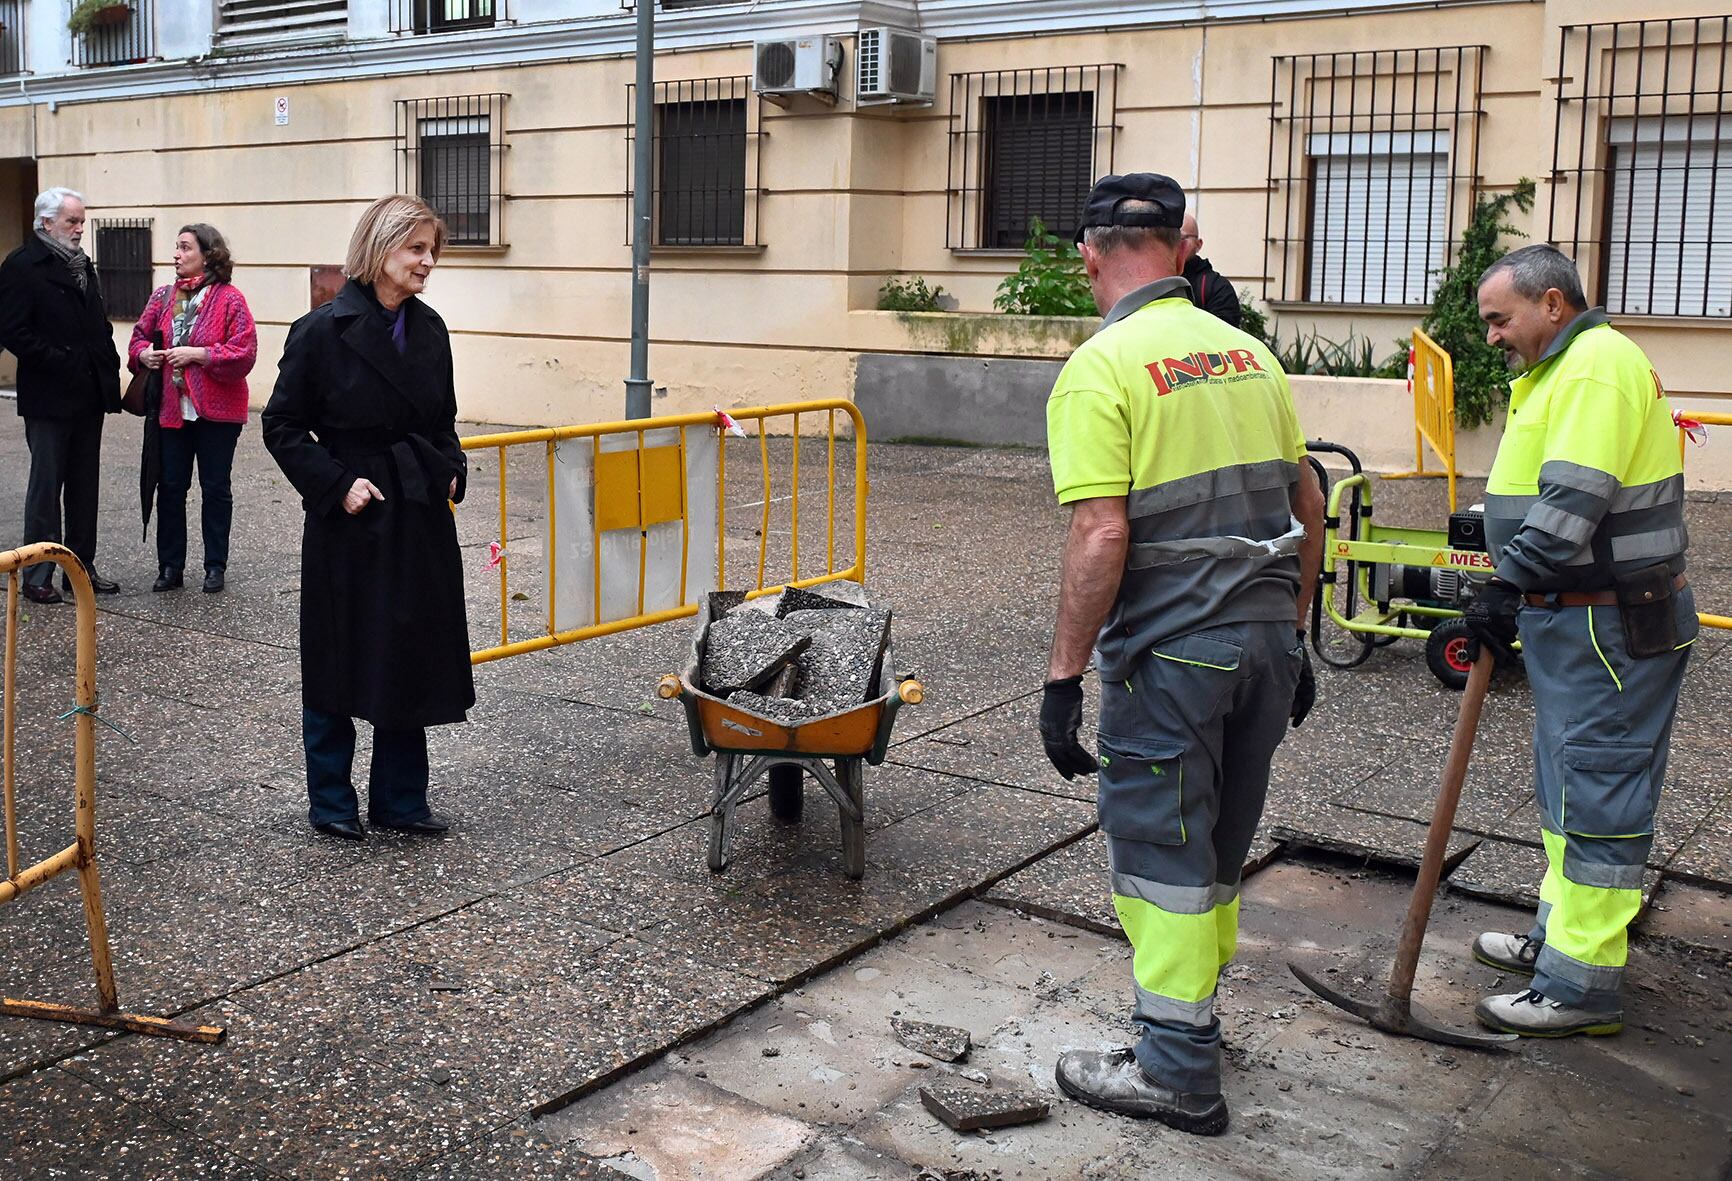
[{"x": 831, "y": 749}]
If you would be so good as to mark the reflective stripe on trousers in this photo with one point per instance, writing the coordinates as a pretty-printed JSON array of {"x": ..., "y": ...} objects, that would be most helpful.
[
  {"x": 1185, "y": 747},
  {"x": 1602, "y": 732}
]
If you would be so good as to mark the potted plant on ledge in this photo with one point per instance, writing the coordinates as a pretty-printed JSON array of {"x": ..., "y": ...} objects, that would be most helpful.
[{"x": 89, "y": 15}]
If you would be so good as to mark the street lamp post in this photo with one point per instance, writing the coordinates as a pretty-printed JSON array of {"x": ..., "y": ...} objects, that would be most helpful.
[{"x": 637, "y": 386}]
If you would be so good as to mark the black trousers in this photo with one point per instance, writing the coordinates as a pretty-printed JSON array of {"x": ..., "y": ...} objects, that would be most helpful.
[
  {"x": 212, "y": 444},
  {"x": 396, "y": 782},
  {"x": 65, "y": 464}
]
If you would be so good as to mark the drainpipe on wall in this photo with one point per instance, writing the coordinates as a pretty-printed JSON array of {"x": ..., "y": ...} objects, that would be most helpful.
[{"x": 637, "y": 386}]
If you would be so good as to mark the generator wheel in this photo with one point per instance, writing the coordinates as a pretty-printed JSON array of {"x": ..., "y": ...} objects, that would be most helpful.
[
  {"x": 787, "y": 793},
  {"x": 1446, "y": 653}
]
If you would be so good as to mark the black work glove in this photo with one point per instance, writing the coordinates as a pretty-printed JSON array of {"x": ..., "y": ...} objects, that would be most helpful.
[
  {"x": 1491, "y": 617},
  {"x": 1305, "y": 694},
  {"x": 1060, "y": 719}
]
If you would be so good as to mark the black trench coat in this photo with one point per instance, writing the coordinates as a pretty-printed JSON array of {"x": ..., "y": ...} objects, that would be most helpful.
[{"x": 384, "y": 634}]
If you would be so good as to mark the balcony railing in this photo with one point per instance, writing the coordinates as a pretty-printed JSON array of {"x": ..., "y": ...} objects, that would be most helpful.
[{"x": 124, "y": 32}]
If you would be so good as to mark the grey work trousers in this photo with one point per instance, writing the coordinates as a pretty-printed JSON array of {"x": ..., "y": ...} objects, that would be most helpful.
[{"x": 1185, "y": 748}]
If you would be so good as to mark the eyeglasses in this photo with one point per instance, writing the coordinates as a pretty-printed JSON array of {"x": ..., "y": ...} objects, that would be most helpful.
[{"x": 1190, "y": 238}]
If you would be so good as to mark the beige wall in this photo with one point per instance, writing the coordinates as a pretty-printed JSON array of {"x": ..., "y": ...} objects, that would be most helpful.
[{"x": 851, "y": 197}]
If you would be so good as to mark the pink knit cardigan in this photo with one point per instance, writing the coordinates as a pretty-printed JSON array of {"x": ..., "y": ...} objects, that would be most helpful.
[{"x": 224, "y": 329}]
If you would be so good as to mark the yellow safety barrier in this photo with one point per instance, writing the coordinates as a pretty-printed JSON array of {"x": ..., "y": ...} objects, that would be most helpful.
[
  {"x": 642, "y": 486},
  {"x": 1704, "y": 418},
  {"x": 81, "y": 854},
  {"x": 1433, "y": 384}
]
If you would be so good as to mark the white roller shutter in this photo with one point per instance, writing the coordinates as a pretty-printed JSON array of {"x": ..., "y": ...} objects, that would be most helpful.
[
  {"x": 1669, "y": 229},
  {"x": 1379, "y": 218}
]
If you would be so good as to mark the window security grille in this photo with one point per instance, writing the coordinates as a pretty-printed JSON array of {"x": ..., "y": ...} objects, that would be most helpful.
[
  {"x": 276, "y": 21},
  {"x": 1026, "y": 144},
  {"x": 1642, "y": 137},
  {"x": 445, "y": 16},
  {"x": 123, "y": 262},
  {"x": 11, "y": 37},
  {"x": 451, "y": 153},
  {"x": 1373, "y": 167},
  {"x": 706, "y": 152},
  {"x": 125, "y": 35}
]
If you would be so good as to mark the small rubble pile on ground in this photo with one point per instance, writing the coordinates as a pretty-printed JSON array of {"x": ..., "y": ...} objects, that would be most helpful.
[{"x": 800, "y": 655}]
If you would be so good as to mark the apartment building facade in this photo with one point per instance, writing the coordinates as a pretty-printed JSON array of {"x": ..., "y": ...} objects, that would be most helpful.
[{"x": 1333, "y": 153}]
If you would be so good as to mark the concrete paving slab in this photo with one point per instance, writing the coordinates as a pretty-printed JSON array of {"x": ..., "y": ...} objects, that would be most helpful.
[
  {"x": 838, "y": 1158},
  {"x": 1706, "y": 856},
  {"x": 1002, "y": 745},
  {"x": 1334, "y": 829},
  {"x": 1690, "y": 917},
  {"x": 61, "y": 1126},
  {"x": 519, "y": 1152},
  {"x": 672, "y": 1127}
]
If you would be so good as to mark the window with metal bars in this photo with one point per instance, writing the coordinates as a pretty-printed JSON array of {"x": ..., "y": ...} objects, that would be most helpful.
[
  {"x": 1642, "y": 138},
  {"x": 122, "y": 33},
  {"x": 707, "y": 133},
  {"x": 11, "y": 37},
  {"x": 123, "y": 262},
  {"x": 451, "y": 153},
  {"x": 1373, "y": 167},
  {"x": 445, "y": 16},
  {"x": 1026, "y": 145}
]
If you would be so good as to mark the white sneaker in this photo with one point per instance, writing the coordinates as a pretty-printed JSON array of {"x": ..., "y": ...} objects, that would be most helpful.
[
  {"x": 1512, "y": 953},
  {"x": 1532, "y": 1014}
]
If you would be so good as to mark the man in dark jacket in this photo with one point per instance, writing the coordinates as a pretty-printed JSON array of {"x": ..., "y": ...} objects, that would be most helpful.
[
  {"x": 1209, "y": 290},
  {"x": 53, "y": 320}
]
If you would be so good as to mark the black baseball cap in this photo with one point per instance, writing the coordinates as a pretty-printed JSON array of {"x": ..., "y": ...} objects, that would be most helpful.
[{"x": 1102, "y": 206}]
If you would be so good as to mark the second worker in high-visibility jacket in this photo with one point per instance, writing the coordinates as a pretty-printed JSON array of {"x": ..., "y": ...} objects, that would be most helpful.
[
  {"x": 1585, "y": 520},
  {"x": 1195, "y": 535}
]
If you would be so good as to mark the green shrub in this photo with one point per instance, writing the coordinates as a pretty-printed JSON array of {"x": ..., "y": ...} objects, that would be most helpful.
[
  {"x": 1481, "y": 377},
  {"x": 82, "y": 19},
  {"x": 908, "y": 295},
  {"x": 1251, "y": 317},
  {"x": 1312, "y": 353},
  {"x": 1050, "y": 281}
]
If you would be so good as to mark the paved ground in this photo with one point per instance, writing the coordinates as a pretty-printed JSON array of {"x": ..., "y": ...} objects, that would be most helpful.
[{"x": 402, "y": 1008}]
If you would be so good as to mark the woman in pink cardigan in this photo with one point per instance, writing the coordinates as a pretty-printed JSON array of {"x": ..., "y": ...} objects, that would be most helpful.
[{"x": 210, "y": 346}]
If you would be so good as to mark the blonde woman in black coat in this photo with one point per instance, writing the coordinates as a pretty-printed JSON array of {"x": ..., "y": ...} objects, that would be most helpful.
[{"x": 363, "y": 423}]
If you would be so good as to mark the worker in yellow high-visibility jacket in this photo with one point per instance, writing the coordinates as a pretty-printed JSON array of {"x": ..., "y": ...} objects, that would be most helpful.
[
  {"x": 1195, "y": 536},
  {"x": 1585, "y": 520}
]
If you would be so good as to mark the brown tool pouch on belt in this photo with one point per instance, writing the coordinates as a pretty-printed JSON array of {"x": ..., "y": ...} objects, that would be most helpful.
[{"x": 1645, "y": 605}]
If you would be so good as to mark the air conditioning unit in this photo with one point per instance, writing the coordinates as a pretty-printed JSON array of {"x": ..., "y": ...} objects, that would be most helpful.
[
  {"x": 895, "y": 66},
  {"x": 798, "y": 65}
]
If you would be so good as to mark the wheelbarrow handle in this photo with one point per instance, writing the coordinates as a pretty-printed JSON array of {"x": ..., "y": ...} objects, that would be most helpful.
[
  {"x": 668, "y": 688},
  {"x": 911, "y": 691}
]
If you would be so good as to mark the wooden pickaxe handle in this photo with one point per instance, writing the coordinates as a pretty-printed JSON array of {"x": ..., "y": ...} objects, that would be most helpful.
[{"x": 1437, "y": 836}]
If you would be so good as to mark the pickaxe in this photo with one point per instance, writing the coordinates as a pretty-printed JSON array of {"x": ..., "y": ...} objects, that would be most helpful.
[{"x": 1394, "y": 1011}]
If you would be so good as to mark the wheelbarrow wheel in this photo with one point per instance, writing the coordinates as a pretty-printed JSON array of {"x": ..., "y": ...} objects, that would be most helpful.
[
  {"x": 1446, "y": 653},
  {"x": 787, "y": 793}
]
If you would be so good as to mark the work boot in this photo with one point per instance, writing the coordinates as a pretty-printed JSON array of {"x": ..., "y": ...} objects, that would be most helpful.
[
  {"x": 1113, "y": 1081},
  {"x": 1532, "y": 1014},
  {"x": 1511, "y": 953}
]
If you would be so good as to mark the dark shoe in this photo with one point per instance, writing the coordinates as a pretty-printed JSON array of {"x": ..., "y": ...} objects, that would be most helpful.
[
  {"x": 1113, "y": 1081},
  {"x": 168, "y": 580},
  {"x": 99, "y": 584},
  {"x": 348, "y": 830},
  {"x": 42, "y": 592},
  {"x": 213, "y": 580},
  {"x": 432, "y": 826}
]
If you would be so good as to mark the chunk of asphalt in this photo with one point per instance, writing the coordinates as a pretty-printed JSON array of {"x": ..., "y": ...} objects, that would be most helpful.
[
  {"x": 784, "y": 711},
  {"x": 823, "y": 597},
  {"x": 837, "y": 670},
  {"x": 967, "y": 1107},
  {"x": 747, "y": 648},
  {"x": 722, "y": 602},
  {"x": 946, "y": 1043}
]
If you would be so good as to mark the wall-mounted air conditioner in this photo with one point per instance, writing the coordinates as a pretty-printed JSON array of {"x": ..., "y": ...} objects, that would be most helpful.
[
  {"x": 797, "y": 65},
  {"x": 895, "y": 66}
]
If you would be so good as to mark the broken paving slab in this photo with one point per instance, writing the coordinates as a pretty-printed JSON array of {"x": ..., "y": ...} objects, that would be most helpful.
[
  {"x": 826, "y": 596},
  {"x": 1511, "y": 872},
  {"x": 969, "y": 1108},
  {"x": 946, "y": 1043},
  {"x": 839, "y": 667},
  {"x": 746, "y": 648}
]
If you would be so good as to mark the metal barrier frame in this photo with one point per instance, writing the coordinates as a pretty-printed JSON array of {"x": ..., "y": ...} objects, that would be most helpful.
[
  {"x": 1706, "y": 418},
  {"x": 1433, "y": 411},
  {"x": 548, "y": 436},
  {"x": 81, "y": 854}
]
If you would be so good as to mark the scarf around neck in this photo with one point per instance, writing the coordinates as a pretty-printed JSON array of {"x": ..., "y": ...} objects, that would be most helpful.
[{"x": 75, "y": 259}]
